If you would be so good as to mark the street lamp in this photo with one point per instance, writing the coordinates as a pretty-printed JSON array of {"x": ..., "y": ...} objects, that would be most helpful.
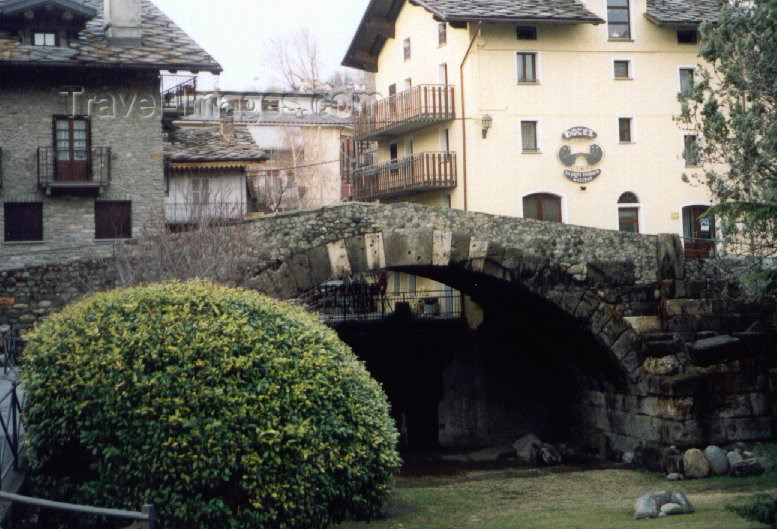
[{"x": 487, "y": 121}]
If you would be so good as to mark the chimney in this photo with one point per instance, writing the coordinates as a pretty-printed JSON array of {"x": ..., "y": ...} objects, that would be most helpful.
[
  {"x": 228, "y": 127},
  {"x": 122, "y": 22}
]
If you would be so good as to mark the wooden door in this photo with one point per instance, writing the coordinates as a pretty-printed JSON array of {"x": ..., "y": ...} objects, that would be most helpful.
[
  {"x": 71, "y": 149},
  {"x": 699, "y": 233}
]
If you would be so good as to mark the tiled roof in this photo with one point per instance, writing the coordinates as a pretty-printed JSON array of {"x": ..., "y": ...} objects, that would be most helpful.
[
  {"x": 682, "y": 12},
  {"x": 371, "y": 35},
  {"x": 164, "y": 46},
  {"x": 207, "y": 144},
  {"x": 551, "y": 10}
]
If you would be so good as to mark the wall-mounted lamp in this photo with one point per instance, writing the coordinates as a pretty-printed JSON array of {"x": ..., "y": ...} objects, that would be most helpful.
[
  {"x": 583, "y": 188},
  {"x": 487, "y": 121}
]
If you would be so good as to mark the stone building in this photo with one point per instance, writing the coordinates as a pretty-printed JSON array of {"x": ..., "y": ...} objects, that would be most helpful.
[{"x": 80, "y": 121}]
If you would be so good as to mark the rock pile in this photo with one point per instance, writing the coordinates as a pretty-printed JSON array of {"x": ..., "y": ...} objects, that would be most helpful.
[
  {"x": 714, "y": 461},
  {"x": 530, "y": 450},
  {"x": 660, "y": 504}
]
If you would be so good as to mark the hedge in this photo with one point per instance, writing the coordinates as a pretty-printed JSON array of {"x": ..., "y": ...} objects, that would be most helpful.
[{"x": 221, "y": 407}]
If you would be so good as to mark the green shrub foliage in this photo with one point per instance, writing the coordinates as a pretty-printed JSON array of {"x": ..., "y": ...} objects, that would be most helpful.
[
  {"x": 221, "y": 407},
  {"x": 761, "y": 508}
]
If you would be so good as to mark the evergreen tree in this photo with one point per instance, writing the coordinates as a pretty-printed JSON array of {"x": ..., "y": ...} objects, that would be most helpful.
[{"x": 732, "y": 104}]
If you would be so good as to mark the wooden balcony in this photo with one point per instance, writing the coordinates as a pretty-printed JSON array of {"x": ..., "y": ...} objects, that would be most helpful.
[
  {"x": 74, "y": 172},
  {"x": 411, "y": 110},
  {"x": 420, "y": 173}
]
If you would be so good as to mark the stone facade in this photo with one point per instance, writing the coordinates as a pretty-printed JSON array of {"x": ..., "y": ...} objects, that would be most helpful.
[{"x": 29, "y": 99}]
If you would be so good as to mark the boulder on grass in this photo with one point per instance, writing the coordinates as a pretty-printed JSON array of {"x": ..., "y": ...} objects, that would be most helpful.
[
  {"x": 527, "y": 449},
  {"x": 549, "y": 455},
  {"x": 655, "y": 504},
  {"x": 733, "y": 458},
  {"x": 695, "y": 465},
  {"x": 718, "y": 460},
  {"x": 747, "y": 468}
]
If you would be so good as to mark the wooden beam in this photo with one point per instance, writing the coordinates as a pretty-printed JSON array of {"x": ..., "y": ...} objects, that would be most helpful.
[
  {"x": 365, "y": 58},
  {"x": 382, "y": 26}
]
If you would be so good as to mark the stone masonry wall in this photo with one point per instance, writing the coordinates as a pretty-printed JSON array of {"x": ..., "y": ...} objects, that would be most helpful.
[{"x": 28, "y": 102}]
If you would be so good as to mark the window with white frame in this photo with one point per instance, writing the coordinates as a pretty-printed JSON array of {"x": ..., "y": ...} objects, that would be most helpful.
[
  {"x": 618, "y": 19},
  {"x": 442, "y": 33},
  {"x": 622, "y": 69},
  {"x": 44, "y": 39},
  {"x": 686, "y": 80},
  {"x": 625, "y": 130},
  {"x": 692, "y": 150},
  {"x": 628, "y": 213},
  {"x": 529, "y": 142},
  {"x": 527, "y": 67}
]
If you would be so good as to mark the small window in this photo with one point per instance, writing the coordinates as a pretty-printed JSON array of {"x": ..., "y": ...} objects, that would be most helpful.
[
  {"x": 628, "y": 220},
  {"x": 23, "y": 221},
  {"x": 628, "y": 198},
  {"x": 527, "y": 67},
  {"x": 622, "y": 69},
  {"x": 529, "y": 136},
  {"x": 542, "y": 206},
  {"x": 687, "y": 36},
  {"x": 394, "y": 151},
  {"x": 45, "y": 39},
  {"x": 113, "y": 220},
  {"x": 200, "y": 190},
  {"x": 692, "y": 153},
  {"x": 624, "y": 130},
  {"x": 406, "y": 48},
  {"x": 442, "y": 33},
  {"x": 527, "y": 33},
  {"x": 686, "y": 80},
  {"x": 618, "y": 19}
]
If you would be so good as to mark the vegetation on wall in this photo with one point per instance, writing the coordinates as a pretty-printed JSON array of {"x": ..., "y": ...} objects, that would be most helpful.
[
  {"x": 221, "y": 407},
  {"x": 732, "y": 106}
]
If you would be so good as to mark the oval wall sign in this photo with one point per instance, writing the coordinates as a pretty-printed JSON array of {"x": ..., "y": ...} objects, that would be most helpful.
[{"x": 581, "y": 164}]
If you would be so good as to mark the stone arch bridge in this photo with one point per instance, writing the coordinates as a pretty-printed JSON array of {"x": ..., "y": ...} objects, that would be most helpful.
[{"x": 664, "y": 351}]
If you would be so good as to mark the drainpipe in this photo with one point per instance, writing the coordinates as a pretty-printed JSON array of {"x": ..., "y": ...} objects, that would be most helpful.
[{"x": 464, "y": 114}]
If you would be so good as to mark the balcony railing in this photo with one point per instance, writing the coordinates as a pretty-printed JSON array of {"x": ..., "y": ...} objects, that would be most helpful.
[
  {"x": 192, "y": 213},
  {"x": 413, "y": 109},
  {"x": 74, "y": 171},
  {"x": 179, "y": 92},
  {"x": 422, "y": 172}
]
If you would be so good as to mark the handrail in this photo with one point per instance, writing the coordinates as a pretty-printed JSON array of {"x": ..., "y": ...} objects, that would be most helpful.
[
  {"x": 426, "y": 171},
  {"x": 87, "y": 166},
  {"x": 418, "y": 105},
  {"x": 147, "y": 515}
]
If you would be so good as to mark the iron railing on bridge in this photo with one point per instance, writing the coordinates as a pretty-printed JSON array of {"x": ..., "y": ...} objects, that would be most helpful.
[{"x": 367, "y": 302}]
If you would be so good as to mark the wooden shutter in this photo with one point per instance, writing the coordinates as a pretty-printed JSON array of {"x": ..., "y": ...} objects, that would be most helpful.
[
  {"x": 112, "y": 220},
  {"x": 23, "y": 221}
]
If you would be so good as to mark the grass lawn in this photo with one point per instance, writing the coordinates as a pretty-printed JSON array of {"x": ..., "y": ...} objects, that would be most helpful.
[{"x": 584, "y": 499}]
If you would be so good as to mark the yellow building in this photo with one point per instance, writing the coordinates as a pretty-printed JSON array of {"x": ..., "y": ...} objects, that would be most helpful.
[{"x": 558, "y": 110}]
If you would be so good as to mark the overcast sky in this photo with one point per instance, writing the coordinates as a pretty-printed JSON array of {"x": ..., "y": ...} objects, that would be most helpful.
[{"x": 235, "y": 32}]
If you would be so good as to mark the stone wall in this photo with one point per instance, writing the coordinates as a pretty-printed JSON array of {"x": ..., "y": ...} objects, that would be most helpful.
[
  {"x": 28, "y": 102},
  {"x": 29, "y": 294}
]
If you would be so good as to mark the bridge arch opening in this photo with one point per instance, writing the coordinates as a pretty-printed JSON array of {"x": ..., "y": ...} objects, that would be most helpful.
[{"x": 513, "y": 364}]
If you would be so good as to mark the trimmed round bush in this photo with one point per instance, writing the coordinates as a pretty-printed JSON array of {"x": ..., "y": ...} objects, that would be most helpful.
[{"x": 221, "y": 407}]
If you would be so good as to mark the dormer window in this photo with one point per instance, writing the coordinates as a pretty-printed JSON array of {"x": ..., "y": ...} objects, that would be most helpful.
[{"x": 44, "y": 39}]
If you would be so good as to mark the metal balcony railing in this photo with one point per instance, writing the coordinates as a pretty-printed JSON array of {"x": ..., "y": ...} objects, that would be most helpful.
[
  {"x": 413, "y": 109},
  {"x": 179, "y": 93},
  {"x": 422, "y": 172},
  {"x": 205, "y": 212},
  {"x": 74, "y": 170}
]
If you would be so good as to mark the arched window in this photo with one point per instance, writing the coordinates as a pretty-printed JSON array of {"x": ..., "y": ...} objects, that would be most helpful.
[
  {"x": 628, "y": 216},
  {"x": 542, "y": 206}
]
